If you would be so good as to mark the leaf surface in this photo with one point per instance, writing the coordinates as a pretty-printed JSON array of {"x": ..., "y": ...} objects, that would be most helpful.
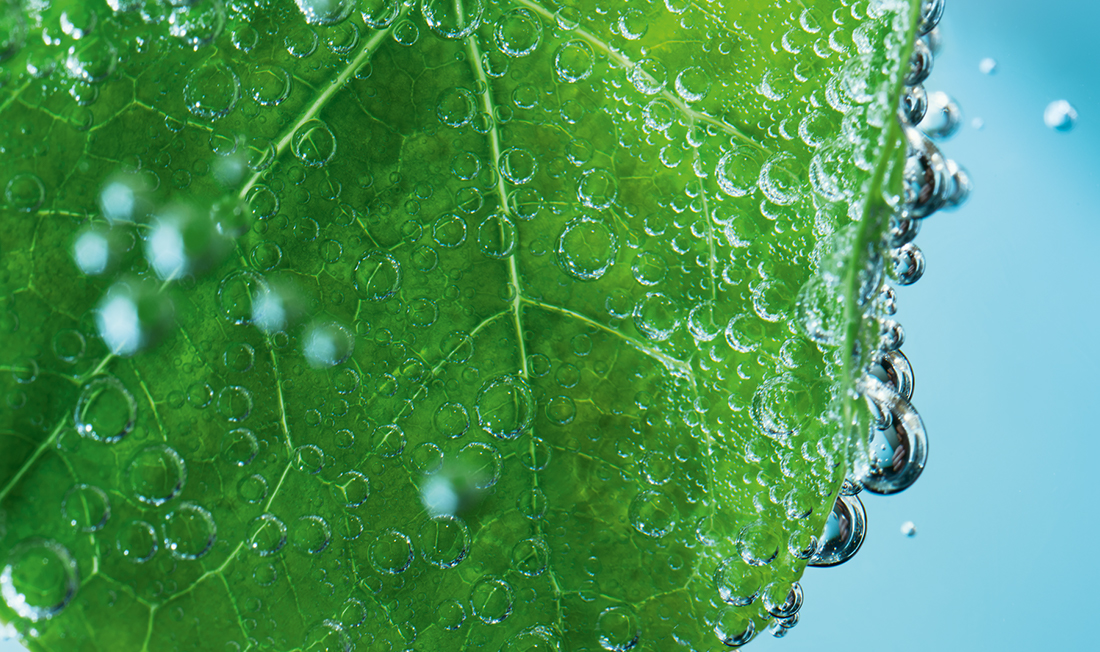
[{"x": 439, "y": 325}]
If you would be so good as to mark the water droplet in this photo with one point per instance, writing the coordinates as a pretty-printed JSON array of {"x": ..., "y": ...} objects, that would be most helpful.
[
  {"x": 266, "y": 535},
  {"x": 444, "y": 541},
  {"x": 656, "y": 316},
  {"x": 617, "y": 629},
  {"x": 189, "y": 532},
  {"x": 844, "y": 532},
  {"x": 505, "y": 407},
  {"x": 351, "y": 489},
  {"x": 311, "y": 534},
  {"x": 234, "y": 403},
  {"x": 653, "y": 513},
  {"x": 39, "y": 579},
  {"x": 573, "y": 61},
  {"x": 587, "y": 248},
  {"x": 156, "y": 474},
  {"x": 25, "y": 192},
  {"x": 327, "y": 345},
  {"x": 943, "y": 117},
  {"x": 451, "y": 615},
  {"x": 211, "y": 91},
  {"x": 391, "y": 553},
  {"x": 198, "y": 22},
  {"x": 314, "y": 143},
  {"x": 758, "y": 543},
  {"x": 597, "y": 189},
  {"x": 377, "y": 275},
  {"x": 518, "y": 165},
  {"x": 693, "y": 84},
  {"x": 452, "y": 19},
  {"x": 1060, "y": 115},
  {"x": 451, "y": 420},
  {"x": 325, "y": 12},
  {"x": 86, "y": 508},
  {"x": 518, "y": 32},
  {"x": 492, "y": 599},
  {"x": 496, "y": 236},
  {"x": 105, "y": 410},
  {"x": 737, "y": 582},
  {"x": 649, "y": 77},
  {"x": 137, "y": 541},
  {"x": 734, "y": 626},
  {"x": 379, "y": 13}
]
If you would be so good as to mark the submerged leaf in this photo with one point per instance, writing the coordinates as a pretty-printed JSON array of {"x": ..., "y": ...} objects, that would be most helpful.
[{"x": 464, "y": 324}]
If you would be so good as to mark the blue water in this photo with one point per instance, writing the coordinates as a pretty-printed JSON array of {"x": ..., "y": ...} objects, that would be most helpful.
[{"x": 1002, "y": 331}]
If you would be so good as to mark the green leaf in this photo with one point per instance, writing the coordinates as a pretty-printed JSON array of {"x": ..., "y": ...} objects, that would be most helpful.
[{"x": 442, "y": 325}]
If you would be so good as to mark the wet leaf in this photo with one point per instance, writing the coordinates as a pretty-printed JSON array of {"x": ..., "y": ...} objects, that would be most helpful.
[{"x": 471, "y": 325}]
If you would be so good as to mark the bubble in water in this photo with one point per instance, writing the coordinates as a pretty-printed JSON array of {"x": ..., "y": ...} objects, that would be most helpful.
[
  {"x": 573, "y": 61},
  {"x": 782, "y": 179},
  {"x": 844, "y": 532},
  {"x": 758, "y": 543},
  {"x": 137, "y": 541},
  {"x": 537, "y": 638},
  {"x": 25, "y": 192},
  {"x": 451, "y": 615},
  {"x": 656, "y": 316},
  {"x": 266, "y": 536},
  {"x": 325, "y": 12},
  {"x": 105, "y": 410},
  {"x": 234, "y": 403},
  {"x": 693, "y": 84},
  {"x": 738, "y": 172},
  {"x": 737, "y": 582},
  {"x": 782, "y": 599},
  {"x": 617, "y": 629},
  {"x": 909, "y": 529},
  {"x": 212, "y": 91},
  {"x": 587, "y": 248},
  {"x": 898, "y": 453},
  {"x": 931, "y": 11},
  {"x": 914, "y": 104},
  {"x": 492, "y": 599},
  {"x": 93, "y": 60},
  {"x": 943, "y": 117},
  {"x": 240, "y": 447},
  {"x": 920, "y": 64},
  {"x": 379, "y": 13},
  {"x": 351, "y": 489},
  {"x": 311, "y": 534},
  {"x": 653, "y": 513},
  {"x": 452, "y": 19},
  {"x": 505, "y": 407},
  {"x": 92, "y": 251},
  {"x": 518, "y": 165},
  {"x": 327, "y": 345},
  {"x": 377, "y": 276},
  {"x": 39, "y": 579},
  {"x": 987, "y": 66},
  {"x": 597, "y": 189},
  {"x": 314, "y": 143},
  {"x": 189, "y": 532},
  {"x": 156, "y": 474},
  {"x": 734, "y": 626},
  {"x": 13, "y": 30},
  {"x": 252, "y": 489},
  {"x": 270, "y": 85},
  {"x": 908, "y": 264},
  {"x": 648, "y": 76},
  {"x": 444, "y": 541},
  {"x": 456, "y": 107},
  {"x": 198, "y": 22},
  {"x": 391, "y": 553},
  {"x": 1060, "y": 115},
  {"x": 518, "y": 32}
]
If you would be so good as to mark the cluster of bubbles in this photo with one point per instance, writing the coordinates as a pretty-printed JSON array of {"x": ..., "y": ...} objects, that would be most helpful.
[{"x": 613, "y": 261}]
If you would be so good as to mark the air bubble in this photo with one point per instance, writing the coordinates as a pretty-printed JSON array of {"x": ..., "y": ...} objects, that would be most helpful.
[
  {"x": 597, "y": 189},
  {"x": 492, "y": 600},
  {"x": 92, "y": 61},
  {"x": 198, "y": 22},
  {"x": 496, "y": 236},
  {"x": 738, "y": 172},
  {"x": 844, "y": 532},
  {"x": 656, "y": 316},
  {"x": 1060, "y": 115},
  {"x": 325, "y": 12},
  {"x": 518, "y": 32},
  {"x": 391, "y": 553},
  {"x": 653, "y": 513},
  {"x": 379, "y": 14},
  {"x": 39, "y": 579},
  {"x": 327, "y": 345},
  {"x": 240, "y": 447},
  {"x": 86, "y": 508},
  {"x": 505, "y": 407},
  {"x": 377, "y": 276},
  {"x": 648, "y": 76},
  {"x": 211, "y": 91},
  {"x": 587, "y": 248},
  {"x": 617, "y": 629},
  {"x": 758, "y": 543},
  {"x": 908, "y": 264},
  {"x": 267, "y": 535},
  {"x": 444, "y": 541},
  {"x": 518, "y": 165},
  {"x": 25, "y": 192},
  {"x": 573, "y": 61},
  {"x": 943, "y": 117},
  {"x": 987, "y": 66},
  {"x": 737, "y": 583},
  {"x": 270, "y": 85},
  {"x": 734, "y": 626},
  {"x": 189, "y": 532},
  {"x": 693, "y": 84},
  {"x": 314, "y": 143},
  {"x": 452, "y": 19},
  {"x": 137, "y": 541},
  {"x": 311, "y": 534},
  {"x": 156, "y": 474},
  {"x": 105, "y": 410}
]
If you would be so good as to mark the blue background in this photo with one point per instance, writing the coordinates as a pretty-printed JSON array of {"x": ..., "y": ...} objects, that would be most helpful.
[{"x": 1002, "y": 334}]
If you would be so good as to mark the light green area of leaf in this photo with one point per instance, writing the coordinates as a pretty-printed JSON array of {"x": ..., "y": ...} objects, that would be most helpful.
[{"x": 537, "y": 264}]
